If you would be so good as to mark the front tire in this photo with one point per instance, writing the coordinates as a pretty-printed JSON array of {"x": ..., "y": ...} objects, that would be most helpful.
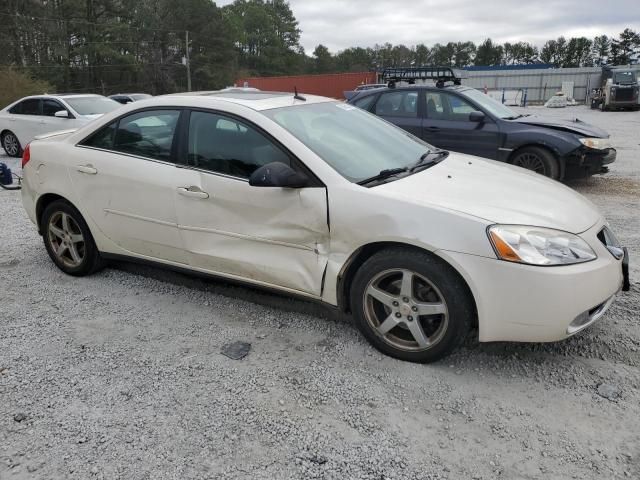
[
  {"x": 11, "y": 144},
  {"x": 539, "y": 160},
  {"x": 411, "y": 305},
  {"x": 68, "y": 240}
]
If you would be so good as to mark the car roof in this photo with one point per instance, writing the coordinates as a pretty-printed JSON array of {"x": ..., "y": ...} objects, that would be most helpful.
[
  {"x": 255, "y": 100},
  {"x": 62, "y": 95},
  {"x": 458, "y": 88}
]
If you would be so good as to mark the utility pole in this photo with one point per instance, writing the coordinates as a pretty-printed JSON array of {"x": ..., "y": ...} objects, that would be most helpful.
[{"x": 187, "y": 61}]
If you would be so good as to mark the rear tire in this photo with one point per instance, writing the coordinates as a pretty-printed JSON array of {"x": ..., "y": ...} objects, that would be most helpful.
[
  {"x": 537, "y": 159},
  {"x": 68, "y": 240},
  {"x": 11, "y": 144},
  {"x": 411, "y": 305}
]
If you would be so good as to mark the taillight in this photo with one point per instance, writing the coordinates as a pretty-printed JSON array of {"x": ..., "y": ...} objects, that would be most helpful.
[{"x": 26, "y": 155}]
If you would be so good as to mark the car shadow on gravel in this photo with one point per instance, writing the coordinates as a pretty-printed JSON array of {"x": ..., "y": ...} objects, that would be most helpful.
[{"x": 236, "y": 291}]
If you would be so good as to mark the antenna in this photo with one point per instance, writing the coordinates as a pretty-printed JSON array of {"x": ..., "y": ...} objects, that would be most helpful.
[{"x": 298, "y": 97}]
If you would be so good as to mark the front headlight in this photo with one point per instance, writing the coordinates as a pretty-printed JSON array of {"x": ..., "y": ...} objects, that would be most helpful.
[
  {"x": 538, "y": 246},
  {"x": 596, "y": 143}
]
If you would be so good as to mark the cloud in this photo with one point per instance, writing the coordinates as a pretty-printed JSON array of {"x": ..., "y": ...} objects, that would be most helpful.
[{"x": 341, "y": 24}]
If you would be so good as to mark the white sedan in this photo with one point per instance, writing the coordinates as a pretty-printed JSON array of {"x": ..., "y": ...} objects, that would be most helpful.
[
  {"x": 319, "y": 199},
  {"x": 29, "y": 117}
]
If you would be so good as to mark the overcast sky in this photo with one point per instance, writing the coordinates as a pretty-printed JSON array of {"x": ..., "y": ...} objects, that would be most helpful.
[{"x": 341, "y": 24}]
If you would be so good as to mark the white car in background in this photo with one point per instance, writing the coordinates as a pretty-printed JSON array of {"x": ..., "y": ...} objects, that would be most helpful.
[
  {"x": 29, "y": 117},
  {"x": 320, "y": 199}
]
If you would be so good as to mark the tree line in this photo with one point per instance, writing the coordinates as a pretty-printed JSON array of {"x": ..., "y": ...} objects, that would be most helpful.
[{"x": 110, "y": 46}]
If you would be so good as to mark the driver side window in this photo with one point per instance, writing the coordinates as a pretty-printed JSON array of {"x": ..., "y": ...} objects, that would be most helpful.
[
  {"x": 446, "y": 106},
  {"x": 225, "y": 145}
]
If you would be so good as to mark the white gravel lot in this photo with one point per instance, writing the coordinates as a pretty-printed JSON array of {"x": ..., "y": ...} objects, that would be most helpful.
[{"x": 120, "y": 376}]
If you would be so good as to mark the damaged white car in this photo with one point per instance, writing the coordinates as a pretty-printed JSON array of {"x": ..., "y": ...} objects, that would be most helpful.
[{"x": 320, "y": 199}]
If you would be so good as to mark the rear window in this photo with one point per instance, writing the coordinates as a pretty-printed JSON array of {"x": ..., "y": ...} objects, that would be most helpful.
[{"x": 92, "y": 105}]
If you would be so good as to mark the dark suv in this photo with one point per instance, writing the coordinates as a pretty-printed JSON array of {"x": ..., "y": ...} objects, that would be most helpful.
[{"x": 466, "y": 120}]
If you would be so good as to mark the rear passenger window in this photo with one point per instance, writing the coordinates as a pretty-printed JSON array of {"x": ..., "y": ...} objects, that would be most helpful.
[
  {"x": 398, "y": 104},
  {"x": 225, "y": 145},
  {"x": 147, "y": 134},
  {"x": 365, "y": 103}
]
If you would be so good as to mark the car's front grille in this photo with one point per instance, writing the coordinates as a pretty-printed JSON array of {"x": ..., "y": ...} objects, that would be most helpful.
[{"x": 624, "y": 94}]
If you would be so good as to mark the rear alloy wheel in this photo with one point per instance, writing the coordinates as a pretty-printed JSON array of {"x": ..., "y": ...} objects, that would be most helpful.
[
  {"x": 68, "y": 240},
  {"x": 411, "y": 305},
  {"x": 538, "y": 160},
  {"x": 11, "y": 144}
]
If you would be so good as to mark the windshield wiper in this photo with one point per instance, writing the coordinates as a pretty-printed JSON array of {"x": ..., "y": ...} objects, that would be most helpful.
[
  {"x": 429, "y": 159},
  {"x": 384, "y": 174}
]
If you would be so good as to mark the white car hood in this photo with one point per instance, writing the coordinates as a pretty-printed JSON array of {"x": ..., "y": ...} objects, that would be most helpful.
[{"x": 496, "y": 192}]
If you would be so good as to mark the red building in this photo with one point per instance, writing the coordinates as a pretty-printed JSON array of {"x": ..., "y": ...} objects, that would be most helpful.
[{"x": 328, "y": 85}]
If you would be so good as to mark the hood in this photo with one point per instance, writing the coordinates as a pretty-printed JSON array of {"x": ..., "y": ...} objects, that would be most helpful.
[
  {"x": 496, "y": 192},
  {"x": 574, "y": 126}
]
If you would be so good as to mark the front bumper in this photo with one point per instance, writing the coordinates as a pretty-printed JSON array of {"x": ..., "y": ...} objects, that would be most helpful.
[
  {"x": 525, "y": 303},
  {"x": 586, "y": 161}
]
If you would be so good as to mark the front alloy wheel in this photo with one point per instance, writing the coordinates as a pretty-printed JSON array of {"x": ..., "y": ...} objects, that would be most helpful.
[
  {"x": 411, "y": 304},
  {"x": 405, "y": 309}
]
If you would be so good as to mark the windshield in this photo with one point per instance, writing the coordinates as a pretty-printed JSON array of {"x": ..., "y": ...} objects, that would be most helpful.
[
  {"x": 357, "y": 144},
  {"x": 627, "y": 78},
  {"x": 489, "y": 104},
  {"x": 92, "y": 105},
  {"x": 140, "y": 96}
]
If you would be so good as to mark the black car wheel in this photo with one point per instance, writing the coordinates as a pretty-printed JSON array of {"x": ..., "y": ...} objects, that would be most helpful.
[
  {"x": 537, "y": 159},
  {"x": 411, "y": 305},
  {"x": 11, "y": 144}
]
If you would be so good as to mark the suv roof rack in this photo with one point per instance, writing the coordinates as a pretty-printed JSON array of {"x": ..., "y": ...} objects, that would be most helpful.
[{"x": 410, "y": 74}]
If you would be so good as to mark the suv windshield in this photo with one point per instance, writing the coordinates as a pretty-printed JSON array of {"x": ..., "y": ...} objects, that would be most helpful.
[
  {"x": 92, "y": 105},
  {"x": 489, "y": 104},
  {"x": 357, "y": 144},
  {"x": 625, "y": 78}
]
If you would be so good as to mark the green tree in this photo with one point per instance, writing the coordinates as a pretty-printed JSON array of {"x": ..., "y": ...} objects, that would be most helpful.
[
  {"x": 323, "y": 59},
  {"x": 577, "y": 53},
  {"x": 15, "y": 85},
  {"x": 488, "y": 53},
  {"x": 266, "y": 35},
  {"x": 600, "y": 49},
  {"x": 554, "y": 51},
  {"x": 625, "y": 47}
]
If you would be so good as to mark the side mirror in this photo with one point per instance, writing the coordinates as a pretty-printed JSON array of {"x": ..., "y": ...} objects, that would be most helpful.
[
  {"x": 278, "y": 174},
  {"x": 477, "y": 117},
  {"x": 61, "y": 114}
]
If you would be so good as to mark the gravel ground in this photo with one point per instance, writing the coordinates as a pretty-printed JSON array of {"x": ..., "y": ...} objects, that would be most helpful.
[{"x": 120, "y": 376}]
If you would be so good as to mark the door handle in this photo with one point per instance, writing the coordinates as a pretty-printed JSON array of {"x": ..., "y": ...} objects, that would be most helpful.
[
  {"x": 88, "y": 169},
  {"x": 192, "y": 192},
  {"x": 433, "y": 129}
]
